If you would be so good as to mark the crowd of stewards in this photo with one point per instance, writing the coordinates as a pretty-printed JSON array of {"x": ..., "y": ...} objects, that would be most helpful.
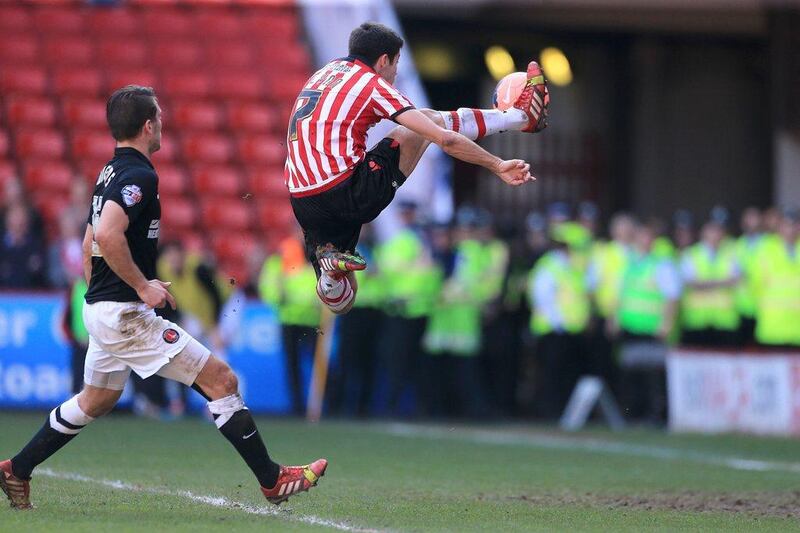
[
  {"x": 452, "y": 320},
  {"x": 463, "y": 320}
]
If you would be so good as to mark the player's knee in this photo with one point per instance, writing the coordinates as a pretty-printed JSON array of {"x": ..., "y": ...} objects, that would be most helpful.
[
  {"x": 227, "y": 383},
  {"x": 97, "y": 405}
]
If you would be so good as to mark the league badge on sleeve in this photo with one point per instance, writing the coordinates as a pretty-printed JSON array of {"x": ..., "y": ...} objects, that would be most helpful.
[{"x": 131, "y": 195}]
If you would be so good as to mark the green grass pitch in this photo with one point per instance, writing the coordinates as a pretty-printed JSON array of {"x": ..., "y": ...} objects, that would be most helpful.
[{"x": 125, "y": 474}]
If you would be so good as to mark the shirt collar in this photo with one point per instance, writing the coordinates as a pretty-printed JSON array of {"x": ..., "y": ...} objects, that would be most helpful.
[
  {"x": 360, "y": 60},
  {"x": 127, "y": 150}
]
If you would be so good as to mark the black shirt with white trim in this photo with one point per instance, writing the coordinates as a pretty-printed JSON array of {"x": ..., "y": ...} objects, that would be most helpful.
[{"x": 130, "y": 181}]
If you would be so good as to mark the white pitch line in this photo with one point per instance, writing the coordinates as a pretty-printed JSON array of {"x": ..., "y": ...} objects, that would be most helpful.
[
  {"x": 480, "y": 436},
  {"x": 214, "y": 501}
]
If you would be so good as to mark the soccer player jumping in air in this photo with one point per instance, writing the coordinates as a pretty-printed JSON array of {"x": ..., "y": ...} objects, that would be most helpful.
[
  {"x": 336, "y": 186},
  {"x": 119, "y": 253}
]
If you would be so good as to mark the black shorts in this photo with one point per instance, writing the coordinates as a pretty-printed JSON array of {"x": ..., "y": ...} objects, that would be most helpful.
[{"x": 335, "y": 216}]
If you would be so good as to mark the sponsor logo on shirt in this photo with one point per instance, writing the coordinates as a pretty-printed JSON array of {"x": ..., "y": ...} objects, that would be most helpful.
[
  {"x": 155, "y": 225},
  {"x": 131, "y": 195}
]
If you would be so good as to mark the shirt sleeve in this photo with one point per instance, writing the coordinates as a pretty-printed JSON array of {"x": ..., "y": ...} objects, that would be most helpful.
[
  {"x": 133, "y": 193},
  {"x": 388, "y": 102},
  {"x": 669, "y": 281}
]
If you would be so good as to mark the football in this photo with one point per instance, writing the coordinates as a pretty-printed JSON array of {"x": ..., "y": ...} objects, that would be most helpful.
[{"x": 508, "y": 90}]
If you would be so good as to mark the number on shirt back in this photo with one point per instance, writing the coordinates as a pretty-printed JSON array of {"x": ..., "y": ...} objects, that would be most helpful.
[{"x": 305, "y": 105}]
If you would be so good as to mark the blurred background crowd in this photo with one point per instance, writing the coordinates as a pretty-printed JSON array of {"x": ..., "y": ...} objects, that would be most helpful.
[{"x": 472, "y": 317}]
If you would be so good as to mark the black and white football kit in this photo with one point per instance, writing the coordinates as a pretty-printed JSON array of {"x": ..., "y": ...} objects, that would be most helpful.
[{"x": 124, "y": 333}]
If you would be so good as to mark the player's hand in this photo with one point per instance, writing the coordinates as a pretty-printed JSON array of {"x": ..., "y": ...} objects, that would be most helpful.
[
  {"x": 156, "y": 295},
  {"x": 515, "y": 172}
]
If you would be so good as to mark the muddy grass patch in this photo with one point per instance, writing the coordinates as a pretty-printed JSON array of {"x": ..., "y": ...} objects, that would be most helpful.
[{"x": 774, "y": 504}]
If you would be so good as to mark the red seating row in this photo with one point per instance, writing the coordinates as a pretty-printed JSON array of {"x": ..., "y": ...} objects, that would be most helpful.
[
  {"x": 20, "y": 49},
  {"x": 242, "y": 117},
  {"x": 89, "y": 81},
  {"x": 155, "y": 20},
  {"x": 196, "y": 147}
]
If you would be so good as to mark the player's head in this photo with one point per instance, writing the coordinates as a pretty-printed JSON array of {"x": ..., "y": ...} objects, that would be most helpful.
[
  {"x": 133, "y": 114},
  {"x": 379, "y": 45}
]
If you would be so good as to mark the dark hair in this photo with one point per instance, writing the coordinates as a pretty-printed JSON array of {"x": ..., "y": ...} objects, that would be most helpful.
[
  {"x": 128, "y": 109},
  {"x": 371, "y": 40}
]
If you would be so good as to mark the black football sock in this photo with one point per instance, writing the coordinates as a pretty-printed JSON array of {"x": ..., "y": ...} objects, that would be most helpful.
[
  {"x": 63, "y": 424},
  {"x": 235, "y": 422}
]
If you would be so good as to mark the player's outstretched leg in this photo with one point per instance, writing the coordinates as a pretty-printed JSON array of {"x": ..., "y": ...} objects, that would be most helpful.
[
  {"x": 529, "y": 113},
  {"x": 217, "y": 382},
  {"x": 62, "y": 425},
  {"x": 337, "y": 286}
]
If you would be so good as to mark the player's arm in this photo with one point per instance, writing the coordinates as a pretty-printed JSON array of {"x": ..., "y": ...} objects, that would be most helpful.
[
  {"x": 513, "y": 171},
  {"x": 86, "y": 246},
  {"x": 110, "y": 237}
]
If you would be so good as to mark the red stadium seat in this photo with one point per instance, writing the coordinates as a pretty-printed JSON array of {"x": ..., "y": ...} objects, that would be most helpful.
[
  {"x": 232, "y": 214},
  {"x": 115, "y": 52},
  {"x": 120, "y": 77},
  {"x": 261, "y": 149},
  {"x": 172, "y": 180},
  {"x": 168, "y": 151},
  {"x": 92, "y": 144},
  {"x": 15, "y": 18},
  {"x": 18, "y": 48},
  {"x": 249, "y": 117},
  {"x": 294, "y": 59},
  {"x": 48, "y": 176},
  {"x": 219, "y": 24},
  {"x": 118, "y": 22},
  {"x": 83, "y": 112},
  {"x": 30, "y": 111},
  {"x": 207, "y": 147},
  {"x": 4, "y": 144},
  {"x": 50, "y": 20},
  {"x": 242, "y": 84},
  {"x": 89, "y": 169},
  {"x": 278, "y": 25},
  {"x": 45, "y": 143},
  {"x": 178, "y": 213},
  {"x": 23, "y": 80},
  {"x": 284, "y": 89},
  {"x": 177, "y": 53},
  {"x": 234, "y": 54},
  {"x": 7, "y": 170},
  {"x": 189, "y": 84},
  {"x": 160, "y": 21},
  {"x": 229, "y": 250},
  {"x": 265, "y": 181},
  {"x": 275, "y": 213},
  {"x": 85, "y": 81},
  {"x": 216, "y": 180},
  {"x": 68, "y": 51},
  {"x": 195, "y": 115}
]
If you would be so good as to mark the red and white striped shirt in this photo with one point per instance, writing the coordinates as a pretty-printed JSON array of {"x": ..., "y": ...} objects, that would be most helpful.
[{"x": 328, "y": 129}]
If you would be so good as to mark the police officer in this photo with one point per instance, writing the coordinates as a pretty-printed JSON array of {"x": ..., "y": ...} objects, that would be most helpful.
[
  {"x": 745, "y": 247},
  {"x": 561, "y": 310},
  {"x": 412, "y": 283},
  {"x": 646, "y": 314},
  {"x": 286, "y": 282},
  {"x": 777, "y": 285},
  {"x": 710, "y": 274}
]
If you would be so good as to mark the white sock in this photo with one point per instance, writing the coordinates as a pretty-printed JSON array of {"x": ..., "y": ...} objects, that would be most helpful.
[
  {"x": 477, "y": 123},
  {"x": 336, "y": 294},
  {"x": 330, "y": 286},
  {"x": 68, "y": 418}
]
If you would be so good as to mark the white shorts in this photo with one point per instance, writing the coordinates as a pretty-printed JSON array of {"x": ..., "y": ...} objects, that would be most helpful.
[{"x": 125, "y": 336}]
